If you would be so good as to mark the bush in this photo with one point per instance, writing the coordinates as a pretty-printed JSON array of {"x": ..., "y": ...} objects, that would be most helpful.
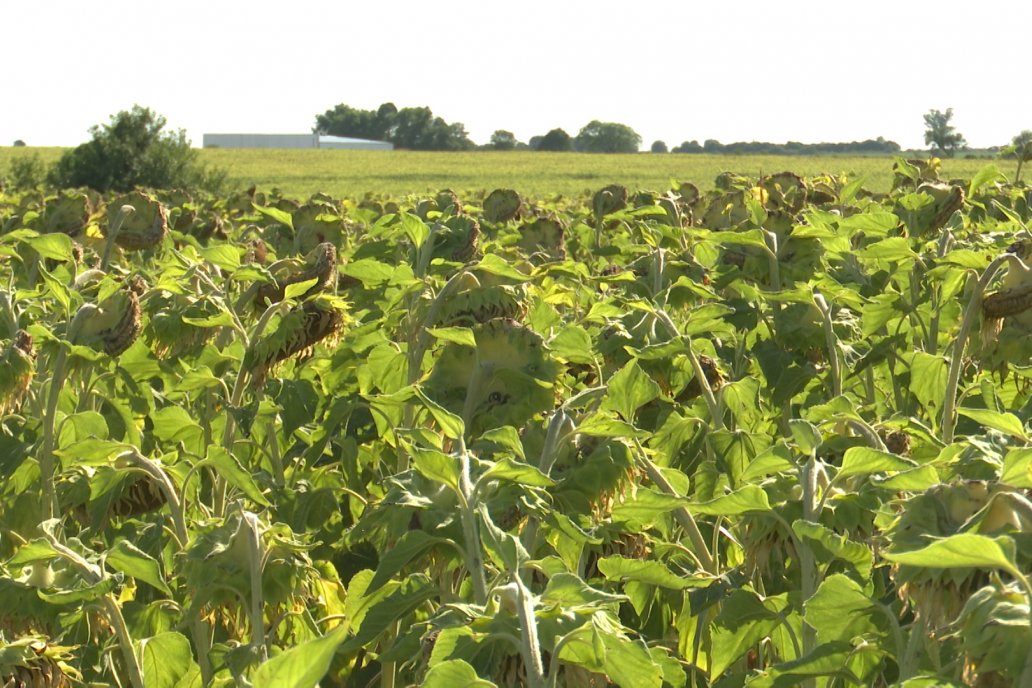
[
  {"x": 555, "y": 140},
  {"x": 27, "y": 172},
  {"x": 607, "y": 137},
  {"x": 131, "y": 151}
]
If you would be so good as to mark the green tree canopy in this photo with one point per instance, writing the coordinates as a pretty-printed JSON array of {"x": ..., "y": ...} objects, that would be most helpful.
[
  {"x": 132, "y": 150},
  {"x": 607, "y": 137},
  {"x": 688, "y": 147},
  {"x": 344, "y": 120},
  {"x": 659, "y": 147},
  {"x": 503, "y": 140},
  {"x": 1021, "y": 145},
  {"x": 557, "y": 140},
  {"x": 943, "y": 137},
  {"x": 415, "y": 128}
]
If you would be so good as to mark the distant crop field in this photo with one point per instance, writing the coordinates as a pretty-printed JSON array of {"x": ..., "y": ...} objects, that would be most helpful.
[{"x": 301, "y": 173}]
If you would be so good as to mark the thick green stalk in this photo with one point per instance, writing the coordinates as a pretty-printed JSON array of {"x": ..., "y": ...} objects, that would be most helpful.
[
  {"x": 419, "y": 340},
  {"x": 682, "y": 514},
  {"x": 93, "y": 574},
  {"x": 199, "y": 630},
  {"x": 219, "y": 505},
  {"x": 932, "y": 343},
  {"x": 908, "y": 663},
  {"x": 140, "y": 462},
  {"x": 8, "y": 318},
  {"x": 770, "y": 239},
  {"x": 275, "y": 458},
  {"x": 700, "y": 375},
  {"x": 471, "y": 533},
  {"x": 806, "y": 557},
  {"x": 832, "y": 343},
  {"x": 113, "y": 230},
  {"x": 467, "y": 493},
  {"x": 657, "y": 277},
  {"x": 559, "y": 428},
  {"x": 251, "y": 528},
  {"x": 949, "y": 415},
  {"x": 530, "y": 647},
  {"x": 57, "y": 380}
]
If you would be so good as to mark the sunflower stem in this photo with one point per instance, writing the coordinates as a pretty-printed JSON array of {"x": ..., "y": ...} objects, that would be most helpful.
[
  {"x": 832, "y": 343},
  {"x": 199, "y": 630},
  {"x": 681, "y": 514},
  {"x": 220, "y": 487},
  {"x": 116, "y": 226},
  {"x": 806, "y": 557},
  {"x": 256, "y": 553},
  {"x": 93, "y": 574},
  {"x": 949, "y": 415},
  {"x": 46, "y": 458},
  {"x": 530, "y": 647}
]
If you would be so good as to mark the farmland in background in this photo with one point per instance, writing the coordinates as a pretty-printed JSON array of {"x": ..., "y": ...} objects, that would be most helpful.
[{"x": 300, "y": 173}]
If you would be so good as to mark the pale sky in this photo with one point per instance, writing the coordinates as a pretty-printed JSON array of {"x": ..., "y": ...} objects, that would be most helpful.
[{"x": 732, "y": 71}]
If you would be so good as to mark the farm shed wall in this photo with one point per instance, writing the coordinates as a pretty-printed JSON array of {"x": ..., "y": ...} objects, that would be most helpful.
[
  {"x": 353, "y": 144},
  {"x": 291, "y": 141}
]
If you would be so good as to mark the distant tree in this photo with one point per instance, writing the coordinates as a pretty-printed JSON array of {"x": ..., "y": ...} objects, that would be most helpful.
[
  {"x": 607, "y": 137},
  {"x": 943, "y": 137},
  {"x": 27, "y": 171},
  {"x": 19, "y": 143},
  {"x": 712, "y": 146},
  {"x": 132, "y": 150},
  {"x": 386, "y": 114},
  {"x": 557, "y": 140},
  {"x": 503, "y": 140},
  {"x": 659, "y": 147},
  {"x": 1020, "y": 148},
  {"x": 344, "y": 120},
  {"x": 418, "y": 129},
  {"x": 534, "y": 143},
  {"x": 413, "y": 128},
  {"x": 688, "y": 147}
]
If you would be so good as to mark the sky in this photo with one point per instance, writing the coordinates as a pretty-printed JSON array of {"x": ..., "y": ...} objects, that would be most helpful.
[{"x": 673, "y": 71}]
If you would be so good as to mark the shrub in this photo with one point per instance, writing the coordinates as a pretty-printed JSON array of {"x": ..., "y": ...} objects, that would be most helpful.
[
  {"x": 133, "y": 150},
  {"x": 27, "y": 172}
]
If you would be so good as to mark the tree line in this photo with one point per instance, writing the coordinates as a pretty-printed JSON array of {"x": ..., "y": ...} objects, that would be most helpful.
[
  {"x": 134, "y": 149},
  {"x": 417, "y": 128}
]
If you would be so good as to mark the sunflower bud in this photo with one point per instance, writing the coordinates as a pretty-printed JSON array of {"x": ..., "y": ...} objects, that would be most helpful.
[
  {"x": 502, "y": 205},
  {"x": 299, "y": 330},
  {"x": 113, "y": 325},
  {"x": 144, "y": 226},
  {"x": 1007, "y": 302},
  {"x": 17, "y": 367},
  {"x": 994, "y": 632},
  {"x": 319, "y": 264}
]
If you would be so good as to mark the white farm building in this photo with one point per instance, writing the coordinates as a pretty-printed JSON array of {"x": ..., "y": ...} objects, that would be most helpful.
[{"x": 292, "y": 141}]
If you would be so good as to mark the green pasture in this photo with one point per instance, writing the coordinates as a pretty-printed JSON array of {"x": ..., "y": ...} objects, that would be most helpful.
[{"x": 341, "y": 173}]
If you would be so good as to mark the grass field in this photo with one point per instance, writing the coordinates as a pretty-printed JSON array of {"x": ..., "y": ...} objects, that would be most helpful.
[{"x": 300, "y": 173}]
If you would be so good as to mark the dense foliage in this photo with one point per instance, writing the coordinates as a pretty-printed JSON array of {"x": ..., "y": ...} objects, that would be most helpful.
[
  {"x": 555, "y": 141},
  {"x": 132, "y": 150},
  {"x": 606, "y": 137},
  {"x": 868, "y": 147},
  {"x": 940, "y": 134},
  {"x": 412, "y": 128},
  {"x": 773, "y": 434}
]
